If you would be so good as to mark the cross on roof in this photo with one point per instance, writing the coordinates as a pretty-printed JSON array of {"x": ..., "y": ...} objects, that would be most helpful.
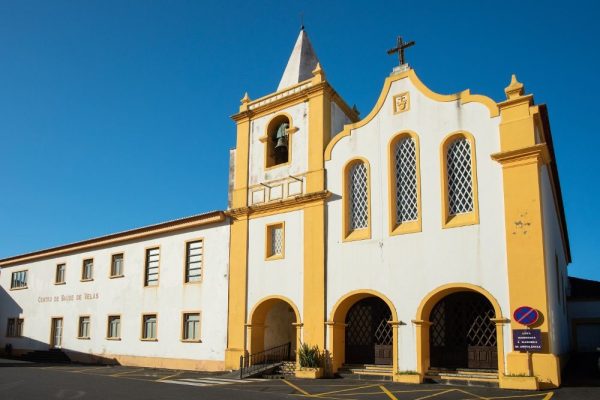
[{"x": 401, "y": 45}]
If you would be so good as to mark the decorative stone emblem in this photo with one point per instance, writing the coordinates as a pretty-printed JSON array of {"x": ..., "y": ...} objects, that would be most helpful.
[{"x": 401, "y": 103}]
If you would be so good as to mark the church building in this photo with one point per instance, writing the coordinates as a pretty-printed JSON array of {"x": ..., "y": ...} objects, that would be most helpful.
[{"x": 405, "y": 240}]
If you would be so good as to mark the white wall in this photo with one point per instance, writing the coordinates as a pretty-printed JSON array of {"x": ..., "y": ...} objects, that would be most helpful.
[
  {"x": 407, "y": 267},
  {"x": 126, "y": 296}
]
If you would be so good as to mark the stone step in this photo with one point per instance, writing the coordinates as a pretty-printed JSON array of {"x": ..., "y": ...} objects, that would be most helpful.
[{"x": 463, "y": 377}]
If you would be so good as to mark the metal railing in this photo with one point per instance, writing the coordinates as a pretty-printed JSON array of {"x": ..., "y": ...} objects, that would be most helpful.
[{"x": 253, "y": 364}]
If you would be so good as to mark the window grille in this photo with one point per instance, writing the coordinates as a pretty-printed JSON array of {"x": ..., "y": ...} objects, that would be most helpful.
[
  {"x": 191, "y": 326},
  {"x": 18, "y": 280},
  {"x": 406, "y": 180},
  {"x": 88, "y": 269},
  {"x": 84, "y": 327},
  {"x": 277, "y": 240},
  {"x": 194, "y": 261},
  {"x": 152, "y": 262},
  {"x": 460, "y": 181},
  {"x": 359, "y": 208},
  {"x": 116, "y": 265},
  {"x": 60, "y": 273},
  {"x": 114, "y": 327},
  {"x": 149, "y": 328}
]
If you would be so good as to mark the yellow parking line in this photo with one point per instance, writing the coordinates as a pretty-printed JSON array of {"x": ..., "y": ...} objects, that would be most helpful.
[
  {"x": 471, "y": 394},
  {"x": 384, "y": 390},
  {"x": 296, "y": 387},
  {"x": 435, "y": 394},
  {"x": 346, "y": 390},
  {"x": 170, "y": 376},
  {"x": 127, "y": 372}
]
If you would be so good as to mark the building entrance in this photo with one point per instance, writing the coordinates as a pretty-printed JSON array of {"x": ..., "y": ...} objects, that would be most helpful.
[
  {"x": 56, "y": 333},
  {"x": 369, "y": 336},
  {"x": 462, "y": 333}
]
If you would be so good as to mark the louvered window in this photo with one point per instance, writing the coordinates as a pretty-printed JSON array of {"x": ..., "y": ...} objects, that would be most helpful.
[
  {"x": 359, "y": 192},
  {"x": 152, "y": 262},
  {"x": 460, "y": 181},
  {"x": 405, "y": 159},
  {"x": 194, "y": 261}
]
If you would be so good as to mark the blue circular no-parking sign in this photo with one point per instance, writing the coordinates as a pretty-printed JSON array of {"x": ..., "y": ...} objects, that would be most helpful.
[{"x": 526, "y": 315}]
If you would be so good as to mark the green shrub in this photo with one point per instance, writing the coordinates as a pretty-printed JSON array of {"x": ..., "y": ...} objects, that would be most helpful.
[{"x": 310, "y": 357}]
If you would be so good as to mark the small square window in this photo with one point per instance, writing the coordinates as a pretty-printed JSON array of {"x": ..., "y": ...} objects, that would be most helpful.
[
  {"x": 191, "y": 326},
  {"x": 149, "y": 325},
  {"x": 87, "y": 271},
  {"x": 84, "y": 327},
  {"x": 18, "y": 280},
  {"x": 116, "y": 265},
  {"x": 114, "y": 327},
  {"x": 275, "y": 241},
  {"x": 14, "y": 327},
  {"x": 60, "y": 273}
]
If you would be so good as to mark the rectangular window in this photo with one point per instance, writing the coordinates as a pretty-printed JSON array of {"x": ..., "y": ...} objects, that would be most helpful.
[
  {"x": 152, "y": 262},
  {"x": 60, "y": 273},
  {"x": 149, "y": 327},
  {"x": 114, "y": 327},
  {"x": 191, "y": 326},
  {"x": 84, "y": 327},
  {"x": 87, "y": 271},
  {"x": 275, "y": 240},
  {"x": 194, "y": 260},
  {"x": 18, "y": 280},
  {"x": 116, "y": 265},
  {"x": 14, "y": 327}
]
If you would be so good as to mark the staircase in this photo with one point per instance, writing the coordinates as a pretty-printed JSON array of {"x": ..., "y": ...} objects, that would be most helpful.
[
  {"x": 264, "y": 362},
  {"x": 54, "y": 356},
  {"x": 466, "y": 377},
  {"x": 366, "y": 371},
  {"x": 285, "y": 370}
]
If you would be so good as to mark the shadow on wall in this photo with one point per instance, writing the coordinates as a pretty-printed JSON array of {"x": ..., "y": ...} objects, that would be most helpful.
[{"x": 25, "y": 348}]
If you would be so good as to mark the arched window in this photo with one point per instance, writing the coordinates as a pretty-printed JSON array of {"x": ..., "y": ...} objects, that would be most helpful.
[
  {"x": 357, "y": 203},
  {"x": 460, "y": 181},
  {"x": 277, "y": 141},
  {"x": 405, "y": 214}
]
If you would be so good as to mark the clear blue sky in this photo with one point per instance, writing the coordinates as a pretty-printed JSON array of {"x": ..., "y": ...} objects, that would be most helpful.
[{"x": 115, "y": 114}]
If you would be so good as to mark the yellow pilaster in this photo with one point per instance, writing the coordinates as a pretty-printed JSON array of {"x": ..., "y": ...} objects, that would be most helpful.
[{"x": 522, "y": 157}]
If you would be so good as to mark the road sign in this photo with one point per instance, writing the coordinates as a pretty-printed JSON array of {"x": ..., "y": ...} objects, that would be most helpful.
[
  {"x": 526, "y": 315},
  {"x": 527, "y": 339}
]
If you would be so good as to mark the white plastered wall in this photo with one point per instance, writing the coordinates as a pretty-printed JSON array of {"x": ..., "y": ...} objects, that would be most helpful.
[
  {"x": 126, "y": 297},
  {"x": 405, "y": 268}
]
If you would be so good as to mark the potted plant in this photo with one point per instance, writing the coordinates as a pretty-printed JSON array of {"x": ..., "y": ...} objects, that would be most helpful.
[
  {"x": 408, "y": 377},
  {"x": 311, "y": 362}
]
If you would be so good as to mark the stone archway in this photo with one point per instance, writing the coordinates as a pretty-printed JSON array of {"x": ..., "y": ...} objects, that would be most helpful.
[
  {"x": 465, "y": 310},
  {"x": 349, "y": 309},
  {"x": 274, "y": 321}
]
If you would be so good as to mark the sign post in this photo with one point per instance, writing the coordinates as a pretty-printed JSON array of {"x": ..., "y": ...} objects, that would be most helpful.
[{"x": 527, "y": 339}]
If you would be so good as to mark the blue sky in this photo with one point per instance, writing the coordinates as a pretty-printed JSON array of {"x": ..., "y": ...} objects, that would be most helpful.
[{"x": 115, "y": 114}]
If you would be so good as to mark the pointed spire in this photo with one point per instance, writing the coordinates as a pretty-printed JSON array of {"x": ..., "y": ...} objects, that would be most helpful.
[{"x": 301, "y": 64}]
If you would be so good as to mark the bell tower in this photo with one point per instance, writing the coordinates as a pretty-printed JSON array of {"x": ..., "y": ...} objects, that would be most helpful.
[{"x": 278, "y": 169}]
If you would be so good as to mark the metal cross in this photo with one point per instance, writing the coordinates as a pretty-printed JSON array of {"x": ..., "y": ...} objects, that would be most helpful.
[{"x": 401, "y": 45}]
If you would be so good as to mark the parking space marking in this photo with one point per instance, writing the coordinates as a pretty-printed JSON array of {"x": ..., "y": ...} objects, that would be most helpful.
[
  {"x": 384, "y": 390},
  {"x": 127, "y": 372},
  {"x": 170, "y": 376},
  {"x": 209, "y": 381},
  {"x": 304, "y": 392}
]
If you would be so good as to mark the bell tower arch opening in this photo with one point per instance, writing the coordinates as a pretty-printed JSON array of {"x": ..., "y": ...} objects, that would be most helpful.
[{"x": 278, "y": 141}]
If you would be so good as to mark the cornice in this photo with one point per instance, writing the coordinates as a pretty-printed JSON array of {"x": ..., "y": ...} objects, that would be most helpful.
[{"x": 244, "y": 212}]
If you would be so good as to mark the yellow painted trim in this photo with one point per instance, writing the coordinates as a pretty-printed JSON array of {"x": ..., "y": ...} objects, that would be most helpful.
[
  {"x": 470, "y": 218},
  {"x": 348, "y": 234},
  {"x": 185, "y": 261},
  {"x": 277, "y": 207},
  {"x": 142, "y": 336},
  {"x": 426, "y": 306},
  {"x": 269, "y": 244},
  {"x": 409, "y": 226},
  {"x": 256, "y": 320},
  {"x": 463, "y": 97}
]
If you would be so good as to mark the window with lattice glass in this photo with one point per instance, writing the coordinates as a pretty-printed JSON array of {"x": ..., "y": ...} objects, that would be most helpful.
[
  {"x": 275, "y": 240},
  {"x": 194, "y": 259},
  {"x": 460, "y": 177},
  {"x": 151, "y": 267},
  {"x": 191, "y": 326},
  {"x": 359, "y": 193},
  {"x": 405, "y": 169}
]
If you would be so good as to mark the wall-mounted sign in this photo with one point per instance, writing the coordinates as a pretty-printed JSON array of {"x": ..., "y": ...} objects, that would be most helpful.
[
  {"x": 527, "y": 339},
  {"x": 526, "y": 315},
  {"x": 68, "y": 297}
]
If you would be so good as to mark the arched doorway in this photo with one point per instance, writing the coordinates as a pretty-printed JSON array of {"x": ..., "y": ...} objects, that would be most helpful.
[
  {"x": 462, "y": 332},
  {"x": 273, "y": 322},
  {"x": 369, "y": 336}
]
